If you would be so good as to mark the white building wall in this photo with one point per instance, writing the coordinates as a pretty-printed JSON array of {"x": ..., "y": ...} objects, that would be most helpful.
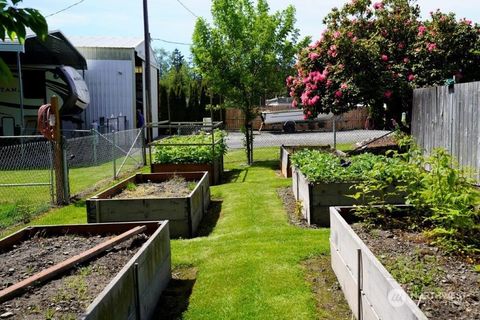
[{"x": 111, "y": 86}]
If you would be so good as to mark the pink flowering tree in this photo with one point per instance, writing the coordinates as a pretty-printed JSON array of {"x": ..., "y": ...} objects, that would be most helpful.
[
  {"x": 375, "y": 53},
  {"x": 446, "y": 48}
]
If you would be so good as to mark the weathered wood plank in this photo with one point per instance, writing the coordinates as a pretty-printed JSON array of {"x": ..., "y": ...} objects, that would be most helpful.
[{"x": 449, "y": 118}]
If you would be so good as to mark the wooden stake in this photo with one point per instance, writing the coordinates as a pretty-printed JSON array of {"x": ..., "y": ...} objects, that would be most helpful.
[{"x": 63, "y": 266}]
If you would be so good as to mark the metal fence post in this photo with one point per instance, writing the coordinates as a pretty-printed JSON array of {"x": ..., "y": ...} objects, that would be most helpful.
[
  {"x": 144, "y": 148},
  {"x": 95, "y": 146},
  {"x": 334, "y": 133},
  {"x": 114, "y": 143}
]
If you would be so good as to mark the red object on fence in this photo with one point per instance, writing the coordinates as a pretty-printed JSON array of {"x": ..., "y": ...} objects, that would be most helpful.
[{"x": 46, "y": 121}]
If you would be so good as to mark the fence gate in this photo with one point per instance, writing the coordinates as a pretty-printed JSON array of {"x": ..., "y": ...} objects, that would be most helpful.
[{"x": 26, "y": 177}]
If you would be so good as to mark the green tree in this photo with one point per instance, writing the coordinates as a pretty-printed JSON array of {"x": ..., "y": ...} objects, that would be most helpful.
[
  {"x": 246, "y": 53},
  {"x": 13, "y": 24}
]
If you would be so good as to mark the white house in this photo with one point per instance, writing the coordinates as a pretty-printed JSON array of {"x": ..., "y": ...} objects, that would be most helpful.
[{"x": 116, "y": 81}]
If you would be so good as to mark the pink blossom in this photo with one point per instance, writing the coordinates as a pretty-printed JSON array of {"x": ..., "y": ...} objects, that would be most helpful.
[
  {"x": 443, "y": 18},
  {"x": 431, "y": 46},
  {"x": 338, "y": 94},
  {"x": 336, "y": 34},
  {"x": 292, "y": 93},
  {"x": 305, "y": 97},
  {"x": 467, "y": 22},
  {"x": 401, "y": 45},
  {"x": 309, "y": 113},
  {"x": 294, "y": 103},
  {"x": 313, "y": 101},
  {"x": 378, "y": 5},
  {"x": 289, "y": 80},
  {"x": 384, "y": 57},
  {"x": 354, "y": 39},
  {"x": 406, "y": 60},
  {"x": 344, "y": 86},
  {"x": 350, "y": 34},
  {"x": 305, "y": 117},
  {"x": 421, "y": 30},
  {"x": 329, "y": 83},
  {"x": 388, "y": 94},
  {"x": 313, "y": 56},
  {"x": 411, "y": 77}
]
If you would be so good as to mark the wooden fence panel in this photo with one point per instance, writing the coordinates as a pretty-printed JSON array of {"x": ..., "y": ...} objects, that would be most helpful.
[{"x": 449, "y": 118}]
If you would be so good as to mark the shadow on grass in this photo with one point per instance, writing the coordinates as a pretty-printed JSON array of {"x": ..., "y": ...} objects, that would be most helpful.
[
  {"x": 232, "y": 175},
  {"x": 210, "y": 219},
  {"x": 269, "y": 164},
  {"x": 175, "y": 298}
]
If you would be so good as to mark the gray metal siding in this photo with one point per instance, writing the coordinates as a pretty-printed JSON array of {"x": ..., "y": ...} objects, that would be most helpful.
[
  {"x": 110, "y": 83},
  {"x": 106, "y": 53}
]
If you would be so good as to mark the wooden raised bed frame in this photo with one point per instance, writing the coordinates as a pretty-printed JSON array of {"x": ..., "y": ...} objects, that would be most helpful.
[
  {"x": 317, "y": 198},
  {"x": 370, "y": 290},
  {"x": 134, "y": 292},
  {"x": 215, "y": 169},
  {"x": 184, "y": 213}
]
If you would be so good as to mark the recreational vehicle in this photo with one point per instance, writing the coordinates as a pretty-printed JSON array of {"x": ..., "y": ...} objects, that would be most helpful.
[{"x": 41, "y": 70}]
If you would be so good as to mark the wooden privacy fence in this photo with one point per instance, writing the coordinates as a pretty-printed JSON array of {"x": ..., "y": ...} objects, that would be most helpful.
[
  {"x": 351, "y": 120},
  {"x": 449, "y": 117}
]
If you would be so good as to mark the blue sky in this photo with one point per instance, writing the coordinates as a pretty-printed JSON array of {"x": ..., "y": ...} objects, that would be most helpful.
[{"x": 170, "y": 21}]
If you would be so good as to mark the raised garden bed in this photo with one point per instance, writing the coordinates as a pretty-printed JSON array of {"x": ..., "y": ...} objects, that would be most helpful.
[
  {"x": 196, "y": 152},
  {"x": 43, "y": 278},
  {"x": 330, "y": 182},
  {"x": 368, "y": 261},
  {"x": 287, "y": 151},
  {"x": 184, "y": 213}
]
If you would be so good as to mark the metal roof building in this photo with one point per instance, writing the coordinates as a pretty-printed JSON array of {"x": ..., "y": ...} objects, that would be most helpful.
[{"x": 116, "y": 80}]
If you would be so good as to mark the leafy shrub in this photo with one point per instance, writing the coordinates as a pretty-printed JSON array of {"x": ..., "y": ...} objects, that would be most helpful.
[
  {"x": 185, "y": 153},
  {"x": 445, "y": 203},
  {"x": 320, "y": 166}
]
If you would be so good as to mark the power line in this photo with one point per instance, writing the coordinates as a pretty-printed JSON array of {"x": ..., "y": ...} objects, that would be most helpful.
[
  {"x": 186, "y": 8},
  {"x": 65, "y": 9},
  {"x": 172, "y": 42}
]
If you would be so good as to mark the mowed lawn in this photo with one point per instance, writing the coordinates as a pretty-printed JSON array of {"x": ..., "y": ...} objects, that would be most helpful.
[{"x": 249, "y": 266}]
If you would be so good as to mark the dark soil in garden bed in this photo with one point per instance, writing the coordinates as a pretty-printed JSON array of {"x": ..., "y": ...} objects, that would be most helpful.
[
  {"x": 68, "y": 296},
  {"x": 176, "y": 187},
  {"x": 444, "y": 286}
]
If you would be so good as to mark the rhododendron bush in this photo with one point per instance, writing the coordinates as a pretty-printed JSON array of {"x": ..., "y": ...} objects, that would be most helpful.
[{"x": 376, "y": 53}]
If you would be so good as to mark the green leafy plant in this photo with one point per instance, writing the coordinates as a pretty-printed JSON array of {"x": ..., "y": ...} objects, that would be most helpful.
[
  {"x": 443, "y": 200},
  {"x": 195, "y": 148},
  {"x": 320, "y": 166},
  {"x": 131, "y": 186},
  {"x": 418, "y": 272}
]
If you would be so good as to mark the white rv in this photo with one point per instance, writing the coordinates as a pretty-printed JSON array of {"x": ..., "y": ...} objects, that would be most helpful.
[{"x": 41, "y": 70}]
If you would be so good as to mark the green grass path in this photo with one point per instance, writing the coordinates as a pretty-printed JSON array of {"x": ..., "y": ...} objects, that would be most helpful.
[{"x": 249, "y": 267}]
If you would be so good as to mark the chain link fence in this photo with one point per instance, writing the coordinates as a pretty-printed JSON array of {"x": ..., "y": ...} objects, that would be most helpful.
[
  {"x": 99, "y": 157},
  {"x": 340, "y": 134},
  {"x": 26, "y": 177},
  {"x": 27, "y": 183}
]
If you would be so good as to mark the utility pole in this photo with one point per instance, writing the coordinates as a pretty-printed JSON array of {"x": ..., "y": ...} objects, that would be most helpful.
[{"x": 148, "y": 81}]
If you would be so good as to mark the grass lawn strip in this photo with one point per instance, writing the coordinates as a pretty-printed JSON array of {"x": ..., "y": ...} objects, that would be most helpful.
[{"x": 250, "y": 266}]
